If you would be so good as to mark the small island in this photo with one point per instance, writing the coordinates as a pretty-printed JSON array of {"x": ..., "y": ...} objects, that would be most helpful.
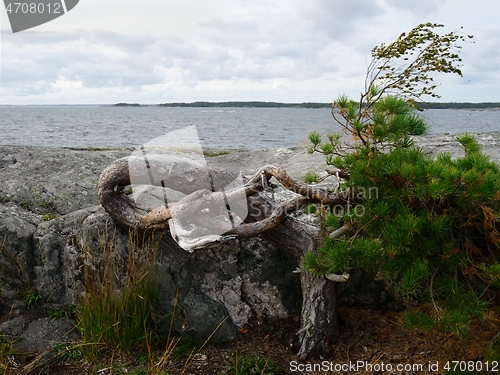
[{"x": 127, "y": 105}]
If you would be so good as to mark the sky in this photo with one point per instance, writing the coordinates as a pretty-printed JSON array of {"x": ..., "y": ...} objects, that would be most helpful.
[{"x": 149, "y": 52}]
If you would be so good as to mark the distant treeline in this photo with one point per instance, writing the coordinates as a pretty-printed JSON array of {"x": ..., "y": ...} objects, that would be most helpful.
[
  {"x": 248, "y": 104},
  {"x": 428, "y": 105},
  {"x": 256, "y": 104},
  {"x": 127, "y": 105}
]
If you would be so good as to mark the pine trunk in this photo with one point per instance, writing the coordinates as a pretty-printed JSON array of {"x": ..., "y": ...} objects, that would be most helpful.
[{"x": 319, "y": 320}]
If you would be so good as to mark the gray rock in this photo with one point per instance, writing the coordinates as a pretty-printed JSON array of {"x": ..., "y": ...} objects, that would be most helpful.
[
  {"x": 264, "y": 299},
  {"x": 208, "y": 317},
  {"x": 14, "y": 327},
  {"x": 11, "y": 308},
  {"x": 229, "y": 280},
  {"x": 295, "y": 160},
  {"x": 43, "y": 335},
  {"x": 56, "y": 272},
  {"x": 490, "y": 143},
  {"x": 48, "y": 180},
  {"x": 17, "y": 226}
]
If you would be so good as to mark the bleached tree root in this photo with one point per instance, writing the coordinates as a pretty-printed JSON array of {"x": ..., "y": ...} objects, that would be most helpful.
[{"x": 319, "y": 323}]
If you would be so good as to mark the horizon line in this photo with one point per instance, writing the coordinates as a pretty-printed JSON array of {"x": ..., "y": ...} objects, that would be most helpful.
[{"x": 221, "y": 102}]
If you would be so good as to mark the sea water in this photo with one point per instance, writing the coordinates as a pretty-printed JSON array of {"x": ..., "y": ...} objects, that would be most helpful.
[{"x": 233, "y": 128}]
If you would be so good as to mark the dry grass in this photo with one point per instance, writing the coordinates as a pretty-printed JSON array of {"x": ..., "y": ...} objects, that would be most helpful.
[
  {"x": 113, "y": 346},
  {"x": 372, "y": 337},
  {"x": 117, "y": 309}
]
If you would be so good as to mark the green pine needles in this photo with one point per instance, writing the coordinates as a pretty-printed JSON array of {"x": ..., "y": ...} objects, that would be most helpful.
[
  {"x": 428, "y": 215},
  {"x": 433, "y": 224}
]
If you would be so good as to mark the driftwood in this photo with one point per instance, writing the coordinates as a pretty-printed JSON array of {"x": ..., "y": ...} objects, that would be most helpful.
[{"x": 205, "y": 193}]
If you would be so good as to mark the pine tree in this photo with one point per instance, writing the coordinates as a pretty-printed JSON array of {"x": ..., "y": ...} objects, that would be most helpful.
[{"x": 432, "y": 223}]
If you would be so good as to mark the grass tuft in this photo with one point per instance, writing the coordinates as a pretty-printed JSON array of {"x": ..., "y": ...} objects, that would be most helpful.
[
  {"x": 252, "y": 365},
  {"x": 117, "y": 309},
  {"x": 311, "y": 178}
]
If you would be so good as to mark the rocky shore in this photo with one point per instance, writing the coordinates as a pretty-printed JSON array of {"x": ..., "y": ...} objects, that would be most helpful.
[{"x": 51, "y": 222}]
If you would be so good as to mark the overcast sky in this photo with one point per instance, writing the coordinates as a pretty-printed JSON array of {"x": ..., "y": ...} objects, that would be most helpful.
[{"x": 153, "y": 51}]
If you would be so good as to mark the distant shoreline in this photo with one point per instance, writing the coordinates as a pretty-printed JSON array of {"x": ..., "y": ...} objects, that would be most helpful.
[
  {"x": 231, "y": 105},
  {"x": 258, "y": 104}
]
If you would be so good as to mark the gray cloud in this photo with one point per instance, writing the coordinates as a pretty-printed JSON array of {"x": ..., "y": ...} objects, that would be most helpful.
[
  {"x": 484, "y": 53},
  {"x": 96, "y": 58},
  {"x": 264, "y": 43},
  {"x": 265, "y": 47},
  {"x": 337, "y": 18},
  {"x": 421, "y": 7}
]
